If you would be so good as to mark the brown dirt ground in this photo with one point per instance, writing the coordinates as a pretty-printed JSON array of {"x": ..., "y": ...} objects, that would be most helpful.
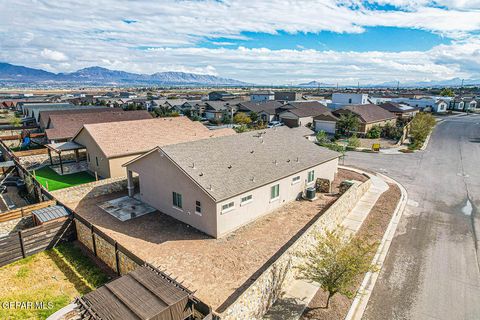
[
  {"x": 217, "y": 269},
  {"x": 373, "y": 227}
]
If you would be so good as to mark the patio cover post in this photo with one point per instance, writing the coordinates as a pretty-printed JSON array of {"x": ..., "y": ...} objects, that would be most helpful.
[
  {"x": 76, "y": 155},
  {"x": 130, "y": 186},
  {"x": 50, "y": 156},
  {"x": 61, "y": 163}
]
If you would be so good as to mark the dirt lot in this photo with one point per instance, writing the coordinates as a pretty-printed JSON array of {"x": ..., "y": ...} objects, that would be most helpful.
[
  {"x": 218, "y": 269},
  {"x": 373, "y": 227},
  {"x": 384, "y": 143}
]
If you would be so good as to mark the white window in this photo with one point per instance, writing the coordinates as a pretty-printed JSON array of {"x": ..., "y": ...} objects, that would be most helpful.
[
  {"x": 228, "y": 207},
  {"x": 198, "y": 208},
  {"x": 177, "y": 200},
  {"x": 245, "y": 200},
  {"x": 274, "y": 192},
  {"x": 311, "y": 176},
  {"x": 295, "y": 179}
]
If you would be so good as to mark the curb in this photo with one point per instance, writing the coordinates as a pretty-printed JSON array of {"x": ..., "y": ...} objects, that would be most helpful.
[{"x": 359, "y": 304}]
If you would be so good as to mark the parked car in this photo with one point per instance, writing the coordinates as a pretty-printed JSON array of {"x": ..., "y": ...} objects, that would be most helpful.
[{"x": 273, "y": 124}]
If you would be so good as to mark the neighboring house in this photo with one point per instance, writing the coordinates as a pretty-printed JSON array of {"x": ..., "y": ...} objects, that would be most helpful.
[
  {"x": 425, "y": 103},
  {"x": 266, "y": 111},
  {"x": 187, "y": 106},
  {"x": 440, "y": 106},
  {"x": 220, "y": 96},
  {"x": 62, "y": 127},
  {"x": 400, "y": 110},
  {"x": 218, "y": 185},
  {"x": 368, "y": 115},
  {"x": 350, "y": 98},
  {"x": 32, "y": 110},
  {"x": 297, "y": 114},
  {"x": 326, "y": 122},
  {"x": 262, "y": 96},
  {"x": 288, "y": 96},
  {"x": 217, "y": 110},
  {"x": 44, "y": 116},
  {"x": 463, "y": 104},
  {"x": 109, "y": 145}
]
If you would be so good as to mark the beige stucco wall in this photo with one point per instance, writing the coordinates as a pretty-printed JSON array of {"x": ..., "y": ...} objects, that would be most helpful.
[
  {"x": 115, "y": 165},
  {"x": 159, "y": 178},
  {"x": 364, "y": 128},
  {"x": 261, "y": 203},
  {"x": 255, "y": 301},
  {"x": 93, "y": 150}
]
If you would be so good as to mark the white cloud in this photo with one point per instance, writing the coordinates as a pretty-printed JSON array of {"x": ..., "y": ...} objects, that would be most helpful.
[
  {"x": 92, "y": 32},
  {"x": 53, "y": 55}
]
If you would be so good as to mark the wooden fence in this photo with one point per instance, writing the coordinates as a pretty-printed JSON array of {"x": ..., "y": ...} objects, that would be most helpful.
[
  {"x": 25, "y": 211},
  {"x": 31, "y": 152},
  {"x": 27, "y": 242},
  {"x": 18, "y": 137}
]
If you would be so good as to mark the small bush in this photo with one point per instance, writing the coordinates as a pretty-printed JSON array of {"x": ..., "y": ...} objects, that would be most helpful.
[
  {"x": 354, "y": 142},
  {"x": 374, "y": 133}
]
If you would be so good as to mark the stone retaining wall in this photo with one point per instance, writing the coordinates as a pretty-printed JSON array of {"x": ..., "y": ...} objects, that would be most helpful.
[
  {"x": 104, "y": 249},
  {"x": 91, "y": 190},
  {"x": 262, "y": 293}
]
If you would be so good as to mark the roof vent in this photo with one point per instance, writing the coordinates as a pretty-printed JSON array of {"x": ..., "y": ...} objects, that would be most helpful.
[
  {"x": 193, "y": 165},
  {"x": 296, "y": 160},
  {"x": 252, "y": 179},
  {"x": 251, "y": 151},
  {"x": 210, "y": 187},
  {"x": 288, "y": 160},
  {"x": 201, "y": 174},
  {"x": 275, "y": 162},
  {"x": 229, "y": 167}
]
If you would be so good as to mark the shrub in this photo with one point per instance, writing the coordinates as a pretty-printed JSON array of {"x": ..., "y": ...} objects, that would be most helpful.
[
  {"x": 242, "y": 118},
  {"x": 374, "y": 132},
  {"x": 354, "y": 142},
  {"x": 421, "y": 126},
  {"x": 322, "y": 137}
]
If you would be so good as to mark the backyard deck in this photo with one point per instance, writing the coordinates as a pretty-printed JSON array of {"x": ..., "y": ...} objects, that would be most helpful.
[{"x": 218, "y": 269}]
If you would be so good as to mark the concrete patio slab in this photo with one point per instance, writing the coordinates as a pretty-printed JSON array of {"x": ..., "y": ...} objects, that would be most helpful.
[{"x": 126, "y": 208}]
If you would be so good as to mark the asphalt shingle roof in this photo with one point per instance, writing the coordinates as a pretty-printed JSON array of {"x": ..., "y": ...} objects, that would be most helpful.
[
  {"x": 117, "y": 139},
  {"x": 368, "y": 112},
  {"x": 269, "y": 107},
  {"x": 231, "y": 165},
  {"x": 307, "y": 109},
  {"x": 65, "y": 126},
  {"x": 44, "y": 116}
]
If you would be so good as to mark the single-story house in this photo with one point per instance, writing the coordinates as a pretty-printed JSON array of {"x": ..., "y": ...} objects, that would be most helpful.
[
  {"x": 109, "y": 145},
  {"x": 301, "y": 113},
  {"x": 262, "y": 96},
  {"x": 62, "y": 127},
  {"x": 33, "y": 109},
  {"x": 369, "y": 115},
  {"x": 266, "y": 111},
  {"x": 463, "y": 104},
  {"x": 400, "y": 110},
  {"x": 218, "y": 185}
]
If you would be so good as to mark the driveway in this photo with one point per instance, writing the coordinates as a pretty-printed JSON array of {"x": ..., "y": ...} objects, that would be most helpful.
[{"x": 432, "y": 269}]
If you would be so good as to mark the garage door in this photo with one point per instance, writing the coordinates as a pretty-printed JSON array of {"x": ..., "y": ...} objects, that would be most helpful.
[
  {"x": 290, "y": 122},
  {"x": 327, "y": 126}
]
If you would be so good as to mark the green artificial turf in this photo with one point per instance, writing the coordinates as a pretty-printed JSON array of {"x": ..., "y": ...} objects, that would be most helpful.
[{"x": 56, "y": 181}]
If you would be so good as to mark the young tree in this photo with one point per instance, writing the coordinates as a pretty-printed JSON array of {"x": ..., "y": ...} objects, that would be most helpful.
[
  {"x": 242, "y": 118},
  {"x": 347, "y": 124},
  {"x": 254, "y": 116},
  {"x": 353, "y": 141},
  {"x": 447, "y": 92},
  {"x": 336, "y": 261},
  {"x": 322, "y": 138},
  {"x": 420, "y": 128}
]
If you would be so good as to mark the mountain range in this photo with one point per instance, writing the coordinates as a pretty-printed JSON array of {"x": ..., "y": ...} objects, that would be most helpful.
[
  {"x": 455, "y": 82},
  {"x": 10, "y": 73}
]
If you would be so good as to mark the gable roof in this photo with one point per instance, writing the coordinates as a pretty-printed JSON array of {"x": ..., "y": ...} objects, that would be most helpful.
[
  {"x": 44, "y": 116},
  {"x": 269, "y": 107},
  {"x": 307, "y": 109},
  {"x": 231, "y": 165},
  {"x": 117, "y": 139},
  {"x": 397, "y": 107},
  {"x": 65, "y": 126},
  {"x": 367, "y": 112}
]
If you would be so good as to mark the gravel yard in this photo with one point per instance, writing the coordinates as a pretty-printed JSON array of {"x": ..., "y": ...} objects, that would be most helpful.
[
  {"x": 373, "y": 228},
  {"x": 218, "y": 269}
]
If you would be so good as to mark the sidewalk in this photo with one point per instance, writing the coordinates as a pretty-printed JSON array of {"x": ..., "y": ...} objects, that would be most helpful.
[{"x": 300, "y": 292}]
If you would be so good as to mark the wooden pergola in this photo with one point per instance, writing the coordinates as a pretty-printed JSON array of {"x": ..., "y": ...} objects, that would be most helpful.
[{"x": 60, "y": 147}]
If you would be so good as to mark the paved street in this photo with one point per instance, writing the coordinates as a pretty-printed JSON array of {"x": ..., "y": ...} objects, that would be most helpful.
[{"x": 432, "y": 269}]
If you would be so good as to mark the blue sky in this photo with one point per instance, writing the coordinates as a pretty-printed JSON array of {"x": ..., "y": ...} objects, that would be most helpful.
[
  {"x": 387, "y": 39},
  {"x": 257, "y": 41}
]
